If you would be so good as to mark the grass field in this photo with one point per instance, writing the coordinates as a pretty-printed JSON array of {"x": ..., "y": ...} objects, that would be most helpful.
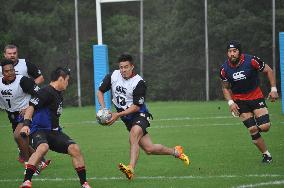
[{"x": 219, "y": 146}]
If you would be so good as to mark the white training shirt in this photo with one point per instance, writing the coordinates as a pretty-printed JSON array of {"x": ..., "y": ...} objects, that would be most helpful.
[
  {"x": 122, "y": 89},
  {"x": 12, "y": 96},
  {"x": 20, "y": 68}
]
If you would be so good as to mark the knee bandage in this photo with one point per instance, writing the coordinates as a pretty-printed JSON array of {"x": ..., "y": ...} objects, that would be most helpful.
[
  {"x": 249, "y": 122},
  {"x": 256, "y": 136},
  {"x": 262, "y": 119}
]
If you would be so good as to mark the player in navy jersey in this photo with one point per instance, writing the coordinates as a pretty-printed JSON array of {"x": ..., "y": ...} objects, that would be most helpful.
[
  {"x": 22, "y": 67},
  {"x": 240, "y": 85},
  {"x": 129, "y": 91},
  {"x": 44, "y": 110}
]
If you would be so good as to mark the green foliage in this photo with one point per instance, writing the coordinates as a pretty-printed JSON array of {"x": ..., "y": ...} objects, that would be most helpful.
[
  {"x": 219, "y": 146},
  {"x": 174, "y": 42}
]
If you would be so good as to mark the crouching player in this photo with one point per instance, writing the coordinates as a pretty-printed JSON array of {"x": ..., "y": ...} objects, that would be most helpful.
[{"x": 44, "y": 130}]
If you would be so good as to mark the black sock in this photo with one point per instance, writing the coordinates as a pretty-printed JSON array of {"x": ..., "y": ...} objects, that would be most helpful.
[
  {"x": 30, "y": 170},
  {"x": 81, "y": 171}
]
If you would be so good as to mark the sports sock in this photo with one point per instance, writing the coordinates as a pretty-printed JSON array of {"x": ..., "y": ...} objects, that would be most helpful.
[
  {"x": 267, "y": 153},
  {"x": 81, "y": 171},
  {"x": 176, "y": 153},
  {"x": 30, "y": 170}
]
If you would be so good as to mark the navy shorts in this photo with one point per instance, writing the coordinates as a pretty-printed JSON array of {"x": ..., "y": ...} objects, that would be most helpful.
[
  {"x": 56, "y": 140},
  {"x": 15, "y": 118},
  {"x": 140, "y": 119},
  {"x": 250, "y": 105}
]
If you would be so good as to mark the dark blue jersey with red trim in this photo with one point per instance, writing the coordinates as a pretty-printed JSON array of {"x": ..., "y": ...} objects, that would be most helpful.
[{"x": 244, "y": 77}]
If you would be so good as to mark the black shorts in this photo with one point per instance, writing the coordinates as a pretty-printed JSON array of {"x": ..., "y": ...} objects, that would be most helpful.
[
  {"x": 140, "y": 119},
  {"x": 15, "y": 118},
  {"x": 250, "y": 105},
  {"x": 57, "y": 140}
]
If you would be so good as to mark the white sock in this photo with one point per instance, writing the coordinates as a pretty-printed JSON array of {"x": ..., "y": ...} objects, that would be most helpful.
[{"x": 267, "y": 153}]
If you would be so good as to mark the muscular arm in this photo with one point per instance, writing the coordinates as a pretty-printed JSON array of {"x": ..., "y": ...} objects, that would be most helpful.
[
  {"x": 27, "y": 120},
  {"x": 273, "y": 95},
  {"x": 227, "y": 92},
  {"x": 101, "y": 99}
]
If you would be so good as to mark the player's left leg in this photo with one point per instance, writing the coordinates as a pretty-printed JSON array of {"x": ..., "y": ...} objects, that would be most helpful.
[
  {"x": 263, "y": 124},
  {"x": 22, "y": 142},
  {"x": 79, "y": 164},
  {"x": 159, "y": 149}
]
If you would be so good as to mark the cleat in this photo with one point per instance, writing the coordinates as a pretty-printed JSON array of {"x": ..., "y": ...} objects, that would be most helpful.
[
  {"x": 179, "y": 154},
  {"x": 127, "y": 170},
  {"x": 41, "y": 167},
  {"x": 86, "y": 185},
  {"x": 266, "y": 158},
  {"x": 26, "y": 184}
]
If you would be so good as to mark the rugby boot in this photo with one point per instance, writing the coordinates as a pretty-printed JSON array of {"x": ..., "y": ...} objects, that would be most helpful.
[
  {"x": 26, "y": 184},
  {"x": 266, "y": 158},
  {"x": 86, "y": 185},
  {"x": 127, "y": 170},
  {"x": 180, "y": 154}
]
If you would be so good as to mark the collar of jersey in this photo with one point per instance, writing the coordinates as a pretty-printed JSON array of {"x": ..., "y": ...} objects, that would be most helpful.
[{"x": 240, "y": 62}]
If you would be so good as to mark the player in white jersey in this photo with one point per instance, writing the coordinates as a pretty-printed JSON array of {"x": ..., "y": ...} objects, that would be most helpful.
[
  {"x": 15, "y": 93},
  {"x": 128, "y": 92},
  {"x": 22, "y": 67}
]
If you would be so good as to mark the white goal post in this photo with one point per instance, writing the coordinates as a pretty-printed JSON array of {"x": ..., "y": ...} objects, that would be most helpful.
[{"x": 99, "y": 16}]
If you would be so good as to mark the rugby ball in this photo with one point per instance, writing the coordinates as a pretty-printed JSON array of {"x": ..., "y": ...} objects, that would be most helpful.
[{"x": 103, "y": 115}]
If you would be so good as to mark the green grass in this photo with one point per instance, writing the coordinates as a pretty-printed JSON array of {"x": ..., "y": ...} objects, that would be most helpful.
[{"x": 219, "y": 146}]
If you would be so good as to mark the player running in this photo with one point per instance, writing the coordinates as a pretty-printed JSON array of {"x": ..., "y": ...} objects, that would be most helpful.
[{"x": 129, "y": 91}]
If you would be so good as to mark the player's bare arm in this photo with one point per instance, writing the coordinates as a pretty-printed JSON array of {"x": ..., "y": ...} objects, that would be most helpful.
[
  {"x": 101, "y": 100},
  {"x": 273, "y": 95},
  {"x": 114, "y": 116},
  {"x": 27, "y": 120},
  {"x": 227, "y": 92},
  {"x": 39, "y": 80}
]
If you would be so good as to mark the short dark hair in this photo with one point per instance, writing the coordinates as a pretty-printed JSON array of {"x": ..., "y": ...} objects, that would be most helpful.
[
  {"x": 10, "y": 46},
  {"x": 6, "y": 62},
  {"x": 125, "y": 57},
  {"x": 59, "y": 72}
]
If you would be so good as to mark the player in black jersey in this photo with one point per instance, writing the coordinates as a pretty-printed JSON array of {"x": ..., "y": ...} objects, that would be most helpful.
[
  {"x": 44, "y": 110},
  {"x": 128, "y": 92},
  {"x": 21, "y": 66}
]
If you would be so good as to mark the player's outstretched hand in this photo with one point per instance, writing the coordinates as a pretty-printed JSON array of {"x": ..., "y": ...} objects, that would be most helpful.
[
  {"x": 273, "y": 95},
  {"x": 234, "y": 108}
]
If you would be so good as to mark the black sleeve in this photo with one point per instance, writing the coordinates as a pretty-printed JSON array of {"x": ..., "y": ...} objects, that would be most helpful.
[
  {"x": 139, "y": 93},
  {"x": 33, "y": 70},
  {"x": 42, "y": 99},
  {"x": 29, "y": 86},
  {"x": 105, "y": 84}
]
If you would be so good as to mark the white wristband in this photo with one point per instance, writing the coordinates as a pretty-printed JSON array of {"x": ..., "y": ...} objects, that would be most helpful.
[
  {"x": 274, "y": 89},
  {"x": 230, "y": 102}
]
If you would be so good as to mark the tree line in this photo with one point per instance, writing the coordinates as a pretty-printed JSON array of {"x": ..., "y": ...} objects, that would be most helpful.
[{"x": 174, "y": 42}]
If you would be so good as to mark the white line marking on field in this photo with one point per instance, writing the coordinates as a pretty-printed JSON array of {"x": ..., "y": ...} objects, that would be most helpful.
[
  {"x": 279, "y": 182},
  {"x": 155, "y": 178}
]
